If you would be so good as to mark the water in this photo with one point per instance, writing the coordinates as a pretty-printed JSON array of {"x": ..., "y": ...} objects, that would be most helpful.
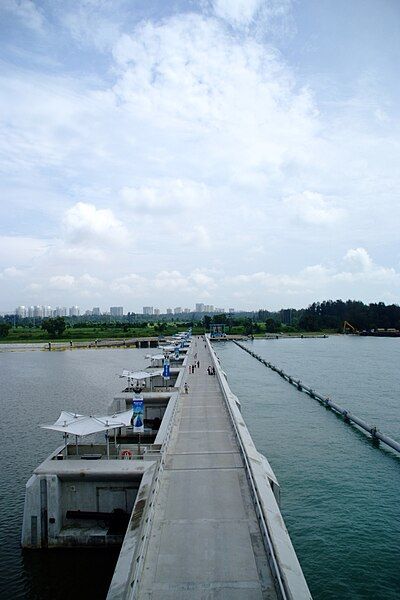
[
  {"x": 35, "y": 387},
  {"x": 340, "y": 494}
]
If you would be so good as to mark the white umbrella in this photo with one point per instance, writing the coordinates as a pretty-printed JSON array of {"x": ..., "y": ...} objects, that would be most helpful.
[
  {"x": 81, "y": 425},
  {"x": 140, "y": 375}
]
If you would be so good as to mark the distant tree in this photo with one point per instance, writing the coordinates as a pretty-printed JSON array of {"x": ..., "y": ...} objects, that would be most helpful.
[
  {"x": 248, "y": 327},
  {"x": 54, "y": 326},
  {"x": 4, "y": 329},
  {"x": 206, "y": 321},
  {"x": 271, "y": 326}
]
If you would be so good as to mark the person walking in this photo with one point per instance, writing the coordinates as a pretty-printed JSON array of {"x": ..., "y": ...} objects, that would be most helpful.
[{"x": 186, "y": 387}]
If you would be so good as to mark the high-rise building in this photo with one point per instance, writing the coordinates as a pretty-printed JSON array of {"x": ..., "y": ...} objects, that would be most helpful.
[
  {"x": 186, "y": 310},
  {"x": 74, "y": 311},
  {"x": 208, "y": 308},
  {"x": 169, "y": 311},
  {"x": 231, "y": 310},
  {"x": 199, "y": 307},
  {"x": 47, "y": 311},
  {"x": 96, "y": 311},
  {"x": 148, "y": 310},
  {"x": 31, "y": 311},
  {"x": 21, "y": 312},
  {"x": 116, "y": 311},
  {"x": 38, "y": 311},
  {"x": 178, "y": 310},
  {"x": 157, "y": 311},
  {"x": 60, "y": 311}
]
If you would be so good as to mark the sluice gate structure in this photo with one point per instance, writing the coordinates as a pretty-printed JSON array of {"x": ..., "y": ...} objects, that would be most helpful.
[
  {"x": 348, "y": 416},
  {"x": 206, "y": 521}
]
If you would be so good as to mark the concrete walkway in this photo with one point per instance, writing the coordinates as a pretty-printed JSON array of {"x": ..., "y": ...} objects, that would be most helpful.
[{"x": 205, "y": 541}]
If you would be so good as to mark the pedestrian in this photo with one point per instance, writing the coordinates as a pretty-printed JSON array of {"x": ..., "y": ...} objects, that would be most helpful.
[
  {"x": 186, "y": 388},
  {"x": 198, "y": 364},
  {"x": 190, "y": 369}
]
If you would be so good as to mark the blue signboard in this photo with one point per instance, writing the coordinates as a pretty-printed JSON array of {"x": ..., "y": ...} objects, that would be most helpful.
[
  {"x": 166, "y": 373},
  {"x": 138, "y": 415}
]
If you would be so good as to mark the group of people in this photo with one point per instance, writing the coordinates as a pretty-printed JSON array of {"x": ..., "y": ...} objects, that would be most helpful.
[{"x": 193, "y": 367}]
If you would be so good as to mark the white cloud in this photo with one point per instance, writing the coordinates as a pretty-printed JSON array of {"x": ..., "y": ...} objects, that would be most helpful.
[
  {"x": 87, "y": 225},
  {"x": 358, "y": 259},
  {"x": 164, "y": 197},
  {"x": 313, "y": 208},
  {"x": 21, "y": 250},
  {"x": 62, "y": 282},
  {"x": 365, "y": 279},
  {"x": 11, "y": 273},
  {"x": 187, "y": 147},
  {"x": 237, "y": 11},
  {"x": 26, "y": 11}
]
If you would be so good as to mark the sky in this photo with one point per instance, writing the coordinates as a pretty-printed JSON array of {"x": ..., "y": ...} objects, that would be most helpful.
[{"x": 240, "y": 153}]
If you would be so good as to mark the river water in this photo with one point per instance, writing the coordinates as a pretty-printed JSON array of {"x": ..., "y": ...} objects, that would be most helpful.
[
  {"x": 35, "y": 387},
  {"x": 339, "y": 492}
]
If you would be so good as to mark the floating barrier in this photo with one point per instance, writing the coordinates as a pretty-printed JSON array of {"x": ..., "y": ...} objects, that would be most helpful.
[{"x": 327, "y": 402}]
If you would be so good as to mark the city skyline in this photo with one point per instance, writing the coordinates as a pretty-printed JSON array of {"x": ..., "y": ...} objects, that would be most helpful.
[
  {"x": 244, "y": 152},
  {"x": 45, "y": 311}
]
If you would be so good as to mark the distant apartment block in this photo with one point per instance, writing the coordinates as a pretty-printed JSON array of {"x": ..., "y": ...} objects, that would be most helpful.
[
  {"x": 169, "y": 311},
  {"x": 74, "y": 311},
  {"x": 199, "y": 307},
  {"x": 21, "y": 311},
  {"x": 60, "y": 311},
  {"x": 116, "y": 311},
  {"x": 231, "y": 310},
  {"x": 148, "y": 310},
  {"x": 157, "y": 311},
  {"x": 96, "y": 311},
  {"x": 186, "y": 310},
  {"x": 178, "y": 310}
]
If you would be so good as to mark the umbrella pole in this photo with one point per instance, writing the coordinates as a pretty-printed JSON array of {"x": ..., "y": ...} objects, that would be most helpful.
[
  {"x": 108, "y": 446},
  {"x": 66, "y": 445},
  {"x": 76, "y": 445}
]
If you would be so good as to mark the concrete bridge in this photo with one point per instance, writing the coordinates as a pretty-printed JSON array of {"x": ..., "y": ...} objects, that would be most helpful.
[{"x": 210, "y": 523}]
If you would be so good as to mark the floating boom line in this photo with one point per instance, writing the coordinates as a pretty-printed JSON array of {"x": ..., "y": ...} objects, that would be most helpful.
[{"x": 327, "y": 402}]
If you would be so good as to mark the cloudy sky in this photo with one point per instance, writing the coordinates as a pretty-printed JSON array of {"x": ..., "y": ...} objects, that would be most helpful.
[{"x": 240, "y": 153}]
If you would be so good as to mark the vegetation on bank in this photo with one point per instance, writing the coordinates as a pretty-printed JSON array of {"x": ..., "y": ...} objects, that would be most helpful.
[{"x": 324, "y": 317}]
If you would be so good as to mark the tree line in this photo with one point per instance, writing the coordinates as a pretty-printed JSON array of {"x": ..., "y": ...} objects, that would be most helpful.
[{"x": 331, "y": 314}]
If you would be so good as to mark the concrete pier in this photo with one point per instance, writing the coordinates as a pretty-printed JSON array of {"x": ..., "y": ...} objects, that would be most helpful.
[{"x": 213, "y": 527}]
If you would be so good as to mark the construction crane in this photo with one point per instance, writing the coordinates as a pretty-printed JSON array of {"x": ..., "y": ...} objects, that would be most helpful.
[{"x": 348, "y": 328}]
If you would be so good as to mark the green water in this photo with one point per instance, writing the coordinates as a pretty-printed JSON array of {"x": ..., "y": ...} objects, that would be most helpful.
[{"x": 340, "y": 494}]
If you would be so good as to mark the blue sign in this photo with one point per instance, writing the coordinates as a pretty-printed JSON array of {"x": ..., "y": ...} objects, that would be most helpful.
[
  {"x": 166, "y": 374},
  {"x": 138, "y": 415}
]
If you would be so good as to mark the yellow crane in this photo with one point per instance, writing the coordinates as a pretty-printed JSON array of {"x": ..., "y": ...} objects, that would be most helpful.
[{"x": 348, "y": 328}]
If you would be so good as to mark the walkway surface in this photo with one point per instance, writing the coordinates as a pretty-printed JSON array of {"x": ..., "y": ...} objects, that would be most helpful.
[{"x": 205, "y": 541}]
